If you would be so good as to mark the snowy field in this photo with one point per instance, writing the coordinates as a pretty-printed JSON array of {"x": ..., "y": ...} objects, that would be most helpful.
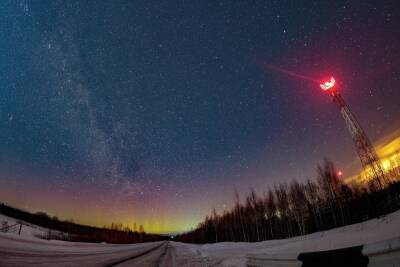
[
  {"x": 26, "y": 250},
  {"x": 27, "y": 229}
]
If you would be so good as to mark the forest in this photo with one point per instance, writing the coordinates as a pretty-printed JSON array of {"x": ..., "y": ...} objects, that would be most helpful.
[
  {"x": 288, "y": 210},
  {"x": 115, "y": 233}
]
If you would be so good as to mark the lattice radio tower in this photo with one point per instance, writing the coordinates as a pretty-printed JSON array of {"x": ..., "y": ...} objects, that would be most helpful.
[{"x": 366, "y": 152}]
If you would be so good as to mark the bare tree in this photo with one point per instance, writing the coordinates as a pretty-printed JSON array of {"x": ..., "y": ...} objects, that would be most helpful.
[
  {"x": 270, "y": 211},
  {"x": 299, "y": 209},
  {"x": 282, "y": 202},
  {"x": 313, "y": 200},
  {"x": 298, "y": 205},
  {"x": 330, "y": 184},
  {"x": 239, "y": 213},
  {"x": 215, "y": 222}
]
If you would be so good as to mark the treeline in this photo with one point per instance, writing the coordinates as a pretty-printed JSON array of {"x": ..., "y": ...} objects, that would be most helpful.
[
  {"x": 299, "y": 208},
  {"x": 116, "y": 233}
]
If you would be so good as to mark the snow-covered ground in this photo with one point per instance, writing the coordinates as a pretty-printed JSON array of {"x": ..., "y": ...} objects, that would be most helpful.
[
  {"x": 27, "y": 229},
  {"x": 25, "y": 250},
  {"x": 372, "y": 231}
]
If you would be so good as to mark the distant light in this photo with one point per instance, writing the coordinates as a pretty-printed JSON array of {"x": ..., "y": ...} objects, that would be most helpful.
[
  {"x": 328, "y": 84},
  {"x": 339, "y": 173}
]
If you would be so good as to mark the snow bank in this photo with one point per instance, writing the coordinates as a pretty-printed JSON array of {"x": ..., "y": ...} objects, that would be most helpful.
[
  {"x": 27, "y": 229},
  {"x": 372, "y": 231}
]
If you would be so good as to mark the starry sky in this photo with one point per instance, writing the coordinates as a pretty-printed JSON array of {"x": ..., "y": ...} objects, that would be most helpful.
[{"x": 155, "y": 111}]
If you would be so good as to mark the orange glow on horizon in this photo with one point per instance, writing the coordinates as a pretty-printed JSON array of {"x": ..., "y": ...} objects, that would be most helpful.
[{"x": 388, "y": 150}]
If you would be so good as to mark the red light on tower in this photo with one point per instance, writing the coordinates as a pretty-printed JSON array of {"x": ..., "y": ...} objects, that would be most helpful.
[
  {"x": 339, "y": 173},
  {"x": 328, "y": 84}
]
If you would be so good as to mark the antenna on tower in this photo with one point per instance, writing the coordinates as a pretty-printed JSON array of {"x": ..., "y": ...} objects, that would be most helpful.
[{"x": 365, "y": 149}]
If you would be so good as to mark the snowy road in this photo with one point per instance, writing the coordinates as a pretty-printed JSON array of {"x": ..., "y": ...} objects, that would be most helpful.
[
  {"x": 16, "y": 251},
  {"x": 161, "y": 255}
]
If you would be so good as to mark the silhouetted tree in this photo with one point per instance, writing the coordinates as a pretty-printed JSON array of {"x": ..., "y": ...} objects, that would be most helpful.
[{"x": 299, "y": 209}]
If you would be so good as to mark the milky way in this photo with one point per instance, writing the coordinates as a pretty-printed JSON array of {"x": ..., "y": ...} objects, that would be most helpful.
[{"x": 154, "y": 112}]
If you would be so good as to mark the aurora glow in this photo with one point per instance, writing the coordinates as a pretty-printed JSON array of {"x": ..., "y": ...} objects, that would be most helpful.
[{"x": 153, "y": 112}]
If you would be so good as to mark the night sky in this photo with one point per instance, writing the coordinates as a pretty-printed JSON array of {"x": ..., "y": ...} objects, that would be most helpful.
[{"x": 155, "y": 111}]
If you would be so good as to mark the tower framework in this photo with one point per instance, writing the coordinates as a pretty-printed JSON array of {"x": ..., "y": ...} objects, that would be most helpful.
[{"x": 365, "y": 149}]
